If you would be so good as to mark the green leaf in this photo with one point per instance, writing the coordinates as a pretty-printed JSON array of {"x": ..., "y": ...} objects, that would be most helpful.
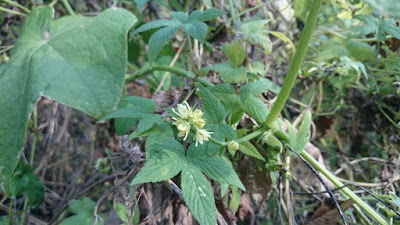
[
  {"x": 198, "y": 195},
  {"x": 24, "y": 180},
  {"x": 370, "y": 25},
  {"x": 165, "y": 160},
  {"x": 389, "y": 8},
  {"x": 180, "y": 16},
  {"x": 206, "y": 15},
  {"x": 157, "y": 132},
  {"x": 254, "y": 107},
  {"x": 159, "y": 39},
  {"x": 123, "y": 125},
  {"x": 121, "y": 210},
  {"x": 235, "y": 200},
  {"x": 248, "y": 149},
  {"x": 140, "y": 4},
  {"x": 360, "y": 50},
  {"x": 145, "y": 124},
  {"x": 196, "y": 29},
  {"x": 77, "y": 61},
  {"x": 388, "y": 27},
  {"x": 255, "y": 88},
  {"x": 156, "y": 24},
  {"x": 255, "y": 32},
  {"x": 228, "y": 73},
  {"x": 395, "y": 199},
  {"x": 213, "y": 166},
  {"x": 215, "y": 112},
  {"x": 141, "y": 107},
  {"x": 83, "y": 209},
  {"x": 301, "y": 9},
  {"x": 303, "y": 134},
  {"x": 235, "y": 53},
  {"x": 284, "y": 39}
]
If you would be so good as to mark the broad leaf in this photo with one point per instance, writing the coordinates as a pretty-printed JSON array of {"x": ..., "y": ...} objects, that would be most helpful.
[
  {"x": 235, "y": 53},
  {"x": 198, "y": 195},
  {"x": 227, "y": 72},
  {"x": 248, "y": 149},
  {"x": 78, "y": 61},
  {"x": 180, "y": 16},
  {"x": 255, "y": 88},
  {"x": 254, "y": 107},
  {"x": 255, "y": 32},
  {"x": 215, "y": 112},
  {"x": 159, "y": 39},
  {"x": 164, "y": 161},
  {"x": 215, "y": 167},
  {"x": 196, "y": 29}
]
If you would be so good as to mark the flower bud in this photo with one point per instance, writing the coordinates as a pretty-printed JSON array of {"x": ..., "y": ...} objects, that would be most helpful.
[{"x": 233, "y": 145}]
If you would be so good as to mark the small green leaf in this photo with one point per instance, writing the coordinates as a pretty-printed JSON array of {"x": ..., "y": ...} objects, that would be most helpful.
[
  {"x": 215, "y": 167},
  {"x": 165, "y": 160},
  {"x": 215, "y": 112},
  {"x": 303, "y": 134},
  {"x": 235, "y": 200},
  {"x": 121, "y": 210},
  {"x": 140, "y": 4},
  {"x": 145, "y": 124},
  {"x": 159, "y": 39},
  {"x": 224, "y": 189},
  {"x": 206, "y": 15},
  {"x": 248, "y": 149},
  {"x": 284, "y": 39},
  {"x": 196, "y": 29},
  {"x": 235, "y": 53},
  {"x": 255, "y": 33},
  {"x": 157, "y": 132},
  {"x": 388, "y": 27},
  {"x": 198, "y": 195},
  {"x": 83, "y": 209},
  {"x": 156, "y": 24},
  {"x": 360, "y": 50},
  {"x": 228, "y": 73}
]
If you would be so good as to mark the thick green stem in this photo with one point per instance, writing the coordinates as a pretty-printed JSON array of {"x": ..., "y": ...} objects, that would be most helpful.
[
  {"x": 12, "y": 11},
  {"x": 295, "y": 64},
  {"x": 346, "y": 192}
]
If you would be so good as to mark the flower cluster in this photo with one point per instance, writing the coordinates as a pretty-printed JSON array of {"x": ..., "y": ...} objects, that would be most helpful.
[{"x": 190, "y": 116}]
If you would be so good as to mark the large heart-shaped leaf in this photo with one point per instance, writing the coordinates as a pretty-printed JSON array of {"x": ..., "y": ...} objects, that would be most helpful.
[{"x": 78, "y": 61}]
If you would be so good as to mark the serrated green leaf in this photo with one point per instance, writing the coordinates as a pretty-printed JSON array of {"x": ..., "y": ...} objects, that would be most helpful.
[
  {"x": 360, "y": 50},
  {"x": 254, "y": 107},
  {"x": 213, "y": 166},
  {"x": 83, "y": 208},
  {"x": 75, "y": 60},
  {"x": 196, "y": 29},
  {"x": 206, "y": 15},
  {"x": 235, "y": 53},
  {"x": 248, "y": 149},
  {"x": 370, "y": 25},
  {"x": 165, "y": 160},
  {"x": 236, "y": 115},
  {"x": 214, "y": 111},
  {"x": 388, "y": 27},
  {"x": 157, "y": 132},
  {"x": 180, "y": 16},
  {"x": 23, "y": 180},
  {"x": 292, "y": 134},
  {"x": 224, "y": 92},
  {"x": 198, "y": 195},
  {"x": 156, "y": 24},
  {"x": 255, "y": 88},
  {"x": 255, "y": 32},
  {"x": 123, "y": 125},
  {"x": 159, "y": 39},
  {"x": 228, "y": 73},
  {"x": 145, "y": 124}
]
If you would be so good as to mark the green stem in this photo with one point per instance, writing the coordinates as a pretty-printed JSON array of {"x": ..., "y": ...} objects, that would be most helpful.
[
  {"x": 387, "y": 116},
  {"x": 251, "y": 135},
  {"x": 17, "y": 5},
  {"x": 174, "y": 70},
  {"x": 10, "y": 212},
  {"x": 346, "y": 192},
  {"x": 12, "y": 11},
  {"x": 295, "y": 64},
  {"x": 220, "y": 143},
  {"x": 68, "y": 7}
]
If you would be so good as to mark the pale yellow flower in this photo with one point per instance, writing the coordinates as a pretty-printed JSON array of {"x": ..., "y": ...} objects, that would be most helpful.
[
  {"x": 202, "y": 135},
  {"x": 184, "y": 110},
  {"x": 183, "y": 127}
]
